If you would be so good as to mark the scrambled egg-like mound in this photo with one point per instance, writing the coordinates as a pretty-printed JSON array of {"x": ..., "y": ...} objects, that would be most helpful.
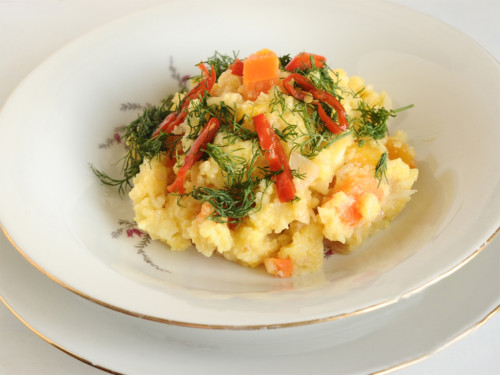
[{"x": 346, "y": 191}]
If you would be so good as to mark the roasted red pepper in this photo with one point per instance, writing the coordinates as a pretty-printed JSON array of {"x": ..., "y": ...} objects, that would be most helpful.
[
  {"x": 302, "y": 81},
  {"x": 194, "y": 153},
  {"x": 321, "y": 96},
  {"x": 237, "y": 67},
  {"x": 276, "y": 157},
  {"x": 176, "y": 118},
  {"x": 303, "y": 61}
]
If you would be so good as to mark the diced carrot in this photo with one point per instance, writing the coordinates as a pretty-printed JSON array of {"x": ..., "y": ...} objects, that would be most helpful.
[
  {"x": 356, "y": 188},
  {"x": 351, "y": 214},
  {"x": 205, "y": 211},
  {"x": 279, "y": 267},
  {"x": 260, "y": 73}
]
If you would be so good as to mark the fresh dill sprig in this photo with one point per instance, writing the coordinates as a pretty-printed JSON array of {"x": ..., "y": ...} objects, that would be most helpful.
[
  {"x": 311, "y": 138},
  {"x": 278, "y": 102},
  {"x": 316, "y": 136},
  {"x": 200, "y": 113},
  {"x": 238, "y": 198},
  {"x": 372, "y": 122},
  {"x": 322, "y": 80},
  {"x": 140, "y": 145},
  {"x": 284, "y": 60},
  {"x": 221, "y": 62},
  {"x": 381, "y": 168},
  {"x": 229, "y": 163}
]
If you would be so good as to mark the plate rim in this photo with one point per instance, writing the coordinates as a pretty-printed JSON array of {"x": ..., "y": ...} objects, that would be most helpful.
[
  {"x": 377, "y": 306},
  {"x": 460, "y": 334}
]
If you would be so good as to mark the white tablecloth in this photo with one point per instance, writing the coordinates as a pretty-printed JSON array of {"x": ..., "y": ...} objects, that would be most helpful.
[{"x": 31, "y": 30}]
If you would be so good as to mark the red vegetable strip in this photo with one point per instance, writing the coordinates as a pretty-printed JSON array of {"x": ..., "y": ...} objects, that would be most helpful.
[
  {"x": 303, "y": 61},
  {"x": 321, "y": 96},
  {"x": 329, "y": 123},
  {"x": 291, "y": 90},
  {"x": 275, "y": 155},
  {"x": 335, "y": 104},
  {"x": 204, "y": 85},
  {"x": 237, "y": 67},
  {"x": 285, "y": 186},
  {"x": 176, "y": 118},
  {"x": 303, "y": 82},
  {"x": 194, "y": 153}
]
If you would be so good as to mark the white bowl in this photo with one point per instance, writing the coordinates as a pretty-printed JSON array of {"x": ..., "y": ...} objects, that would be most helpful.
[{"x": 58, "y": 215}]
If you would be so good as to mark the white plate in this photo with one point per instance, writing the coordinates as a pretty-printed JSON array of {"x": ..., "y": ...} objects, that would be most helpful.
[
  {"x": 62, "y": 220},
  {"x": 118, "y": 342}
]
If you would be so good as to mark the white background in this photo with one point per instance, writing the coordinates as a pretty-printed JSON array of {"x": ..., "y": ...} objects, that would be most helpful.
[{"x": 31, "y": 30}]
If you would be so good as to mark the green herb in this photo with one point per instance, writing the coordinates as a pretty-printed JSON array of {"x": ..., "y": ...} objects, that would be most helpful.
[
  {"x": 231, "y": 165},
  {"x": 140, "y": 145},
  {"x": 372, "y": 122},
  {"x": 284, "y": 60},
  {"x": 238, "y": 198},
  {"x": 381, "y": 168},
  {"x": 221, "y": 62},
  {"x": 316, "y": 136},
  {"x": 322, "y": 80}
]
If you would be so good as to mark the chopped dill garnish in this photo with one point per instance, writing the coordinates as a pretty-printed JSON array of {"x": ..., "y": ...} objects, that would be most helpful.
[
  {"x": 316, "y": 136},
  {"x": 221, "y": 62},
  {"x": 284, "y": 60},
  {"x": 230, "y": 164},
  {"x": 381, "y": 168},
  {"x": 373, "y": 121},
  {"x": 200, "y": 112},
  {"x": 278, "y": 102},
  {"x": 140, "y": 145},
  {"x": 309, "y": 139},
  {"x": 322, "y": 80},
  {"x": 238, "y": 198}
]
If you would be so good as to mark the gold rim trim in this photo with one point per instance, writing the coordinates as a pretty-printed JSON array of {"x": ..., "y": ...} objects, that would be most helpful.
[
  {"x": 455, "y": 339},
  {"x": 397, "y": 367},
  {"x": 57, "y": 346},
  {"x": 371, "y": 308}
]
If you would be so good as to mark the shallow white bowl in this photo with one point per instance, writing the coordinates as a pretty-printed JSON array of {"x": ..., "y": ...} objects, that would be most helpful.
[{"x": 59, "y": 216}]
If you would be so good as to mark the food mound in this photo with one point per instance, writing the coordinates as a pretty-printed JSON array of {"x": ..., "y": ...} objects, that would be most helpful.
[{"x": 269, "y": 160}]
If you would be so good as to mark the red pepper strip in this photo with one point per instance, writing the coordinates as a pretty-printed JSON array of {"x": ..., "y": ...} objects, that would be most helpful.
[
  {"x": 301, "y": 81},
  {"x": 237, "y": 67},
  {"x": 194, "y": 153},
  {"x": 303, "y": 61},
  {"x": 322, "y": 96},
  {"x": 329, "y": 123},
  {"x": 291, "y": 90},
  {"x": 176, "y": 118},
  {"x": 275, "y": 155},
  {"x": 204, "y": 85}
]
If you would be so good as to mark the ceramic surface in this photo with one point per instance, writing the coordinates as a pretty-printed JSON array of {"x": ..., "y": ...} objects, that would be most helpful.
[
  {"x": 81, "y": 95},
  {"x": 417, "y": 327}
]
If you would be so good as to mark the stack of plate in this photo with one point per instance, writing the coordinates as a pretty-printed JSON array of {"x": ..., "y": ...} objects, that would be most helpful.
[{"x": 137, "y": 308}]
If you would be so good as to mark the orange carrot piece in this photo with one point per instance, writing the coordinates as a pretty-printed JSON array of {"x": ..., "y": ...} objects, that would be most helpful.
[
  {"x": 205, "y": 211},
  {"x": 355, "y": 188},
  {"x": 260, "y": 73},
  {"x": 351, "y": 214},
  {"x": 279, "y": 267}
]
